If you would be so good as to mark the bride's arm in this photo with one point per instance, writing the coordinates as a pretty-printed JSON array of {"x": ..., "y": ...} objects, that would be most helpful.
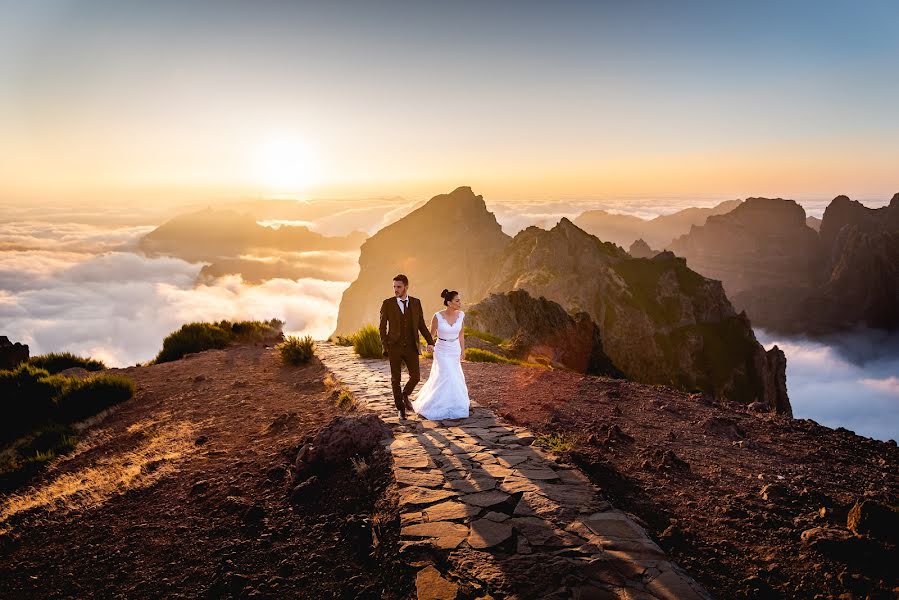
[
  {"x": 434, "y": 327},
  {"x": 462, "y": 342}
]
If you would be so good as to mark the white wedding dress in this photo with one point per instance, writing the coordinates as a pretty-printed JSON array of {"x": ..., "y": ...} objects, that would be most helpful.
[{"x": 445, "y": 395}]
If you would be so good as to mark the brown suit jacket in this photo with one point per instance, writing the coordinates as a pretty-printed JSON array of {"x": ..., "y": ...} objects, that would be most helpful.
[{"x": 391, "y": 329}]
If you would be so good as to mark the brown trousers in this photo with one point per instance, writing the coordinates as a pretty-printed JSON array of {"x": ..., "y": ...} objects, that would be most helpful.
[{"x": 396, "y": 357}]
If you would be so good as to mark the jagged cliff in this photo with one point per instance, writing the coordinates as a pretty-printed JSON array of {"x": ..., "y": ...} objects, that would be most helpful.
[
  {"x": 860, "y": 284},
  {"x": 660, "y": 321},
  {"x": 763, "y": 244},
  {"x": 450, "y": 242},
  {"x": 790, "y": 278},
  {"x": 540, "y": 328}
]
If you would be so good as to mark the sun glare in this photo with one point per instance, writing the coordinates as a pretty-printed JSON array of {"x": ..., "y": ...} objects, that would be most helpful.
[{"x": 286, "y": 164}]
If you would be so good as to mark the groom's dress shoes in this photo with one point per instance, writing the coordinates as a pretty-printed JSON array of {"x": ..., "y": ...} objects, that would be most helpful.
[{"x": 402, "y": 414}]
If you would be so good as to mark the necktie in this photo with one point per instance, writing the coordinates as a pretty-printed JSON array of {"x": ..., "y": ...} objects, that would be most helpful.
[{"x": 405, "y": 305}]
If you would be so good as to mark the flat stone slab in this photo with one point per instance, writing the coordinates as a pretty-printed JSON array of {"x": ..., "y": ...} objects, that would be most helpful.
[
  {"x": 613, "y": 524},
  {"x": 419, "y": 495},
  {"x": 471, "y": 486},
  {"x": 436, "y": 529},
  {"x": 412, "y": 462},
  {"x": 449, "y": 510},
  {"x": 513, "y": 485},
  {"x": 670, "y": 585},
  {"x": 522, "y": 439},
  {"x": 486, "y": 533},
  {"x": 430, "y": 585},
  {"x": 496, "y": 516},
  {"x": 498, "y": 471},
  {"x": 419, "y": 478},
  {"x": 542, "y": 533},
  {"x": 510, "y": 459},
  {"x": 485, "y": 499},
  {"x": 537, "y": 474},
  {"x": 537, "y": 505}
]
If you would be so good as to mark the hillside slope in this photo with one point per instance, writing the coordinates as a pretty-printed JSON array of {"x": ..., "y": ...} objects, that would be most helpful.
[{"x": 182, "y": 491}]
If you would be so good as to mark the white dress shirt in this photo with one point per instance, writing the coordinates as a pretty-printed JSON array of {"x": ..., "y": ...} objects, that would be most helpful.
[{"x": 400, "y": 302}]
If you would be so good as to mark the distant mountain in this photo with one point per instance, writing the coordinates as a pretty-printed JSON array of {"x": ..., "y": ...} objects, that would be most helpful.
[
  {"x": 792, "y": 279},
  {"x": 813, "y": 222},
  {"x": 640, "y": 249},
  {"x": 450, "y": 242},
  {"x": 658, "y": 232},
  {"x": 660, "y": 321},
  {"x": 860, "y": 284},
  {"x": 210, "y": 234}
]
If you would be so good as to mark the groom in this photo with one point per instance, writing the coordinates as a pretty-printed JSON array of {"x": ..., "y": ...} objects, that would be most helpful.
[{"x": 401, "y": 320}]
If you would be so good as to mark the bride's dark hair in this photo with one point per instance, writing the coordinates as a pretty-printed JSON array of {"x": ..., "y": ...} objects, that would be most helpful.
[{"x": 448, "y": 295}]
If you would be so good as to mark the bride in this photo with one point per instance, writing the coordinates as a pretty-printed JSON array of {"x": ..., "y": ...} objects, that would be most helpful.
[{"x": 445, "y": 395}]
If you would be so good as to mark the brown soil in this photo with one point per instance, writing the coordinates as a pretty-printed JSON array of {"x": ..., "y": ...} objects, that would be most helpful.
[
  {"x": 182, "y": 492},
  {"x": 707, "y": 511}
]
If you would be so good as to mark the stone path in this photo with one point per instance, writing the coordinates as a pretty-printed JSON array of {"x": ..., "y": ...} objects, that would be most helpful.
[{"x": 488, "y": 515}]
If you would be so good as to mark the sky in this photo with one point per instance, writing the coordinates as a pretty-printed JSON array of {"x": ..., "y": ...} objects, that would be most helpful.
[{"x": 119, "y": 102}]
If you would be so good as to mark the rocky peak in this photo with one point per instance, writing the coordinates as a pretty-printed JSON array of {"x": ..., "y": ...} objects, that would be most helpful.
[
  {"x": 449, "y": 242},
  {"x": 660, "y": 322},
  {"x": 763, "y": 214},
  {"x": 640, "y": 249}
]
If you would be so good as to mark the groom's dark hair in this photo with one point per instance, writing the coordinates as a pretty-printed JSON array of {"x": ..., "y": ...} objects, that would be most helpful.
[{"x": 402, "y": 278}]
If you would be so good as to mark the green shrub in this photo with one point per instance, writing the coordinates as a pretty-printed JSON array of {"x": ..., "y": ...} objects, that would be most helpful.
[
  {"x": 367, "y": 342},
  {"x": 478, "y": 355},
  {"x": 345, "y": 400},
  {"x": 27, "y": 398},
  {"x": 554, "y": 442},
  {"x": 49, "y": 442},
  {"x": 196, "y": 337},
  {"x": 86, "y": 397},
  {"x": 487, "y": 337},
  {"x": 343, "y": 340},
  {"x": 54, "y": 362},
  {"x": 297, "y": 351}
]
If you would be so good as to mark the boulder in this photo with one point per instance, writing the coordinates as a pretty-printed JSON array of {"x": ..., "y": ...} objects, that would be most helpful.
[
  {"x": 537, "y": 327},
  {"x": 12, "y": 355},
  {"x": 875, "y": 519},
  {"x": 342, "y": 438}
]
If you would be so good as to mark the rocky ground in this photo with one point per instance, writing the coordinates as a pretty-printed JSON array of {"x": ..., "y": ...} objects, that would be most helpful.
[
  {"x": 182, "y": 492},
  {"x": 751, "y": 505}
]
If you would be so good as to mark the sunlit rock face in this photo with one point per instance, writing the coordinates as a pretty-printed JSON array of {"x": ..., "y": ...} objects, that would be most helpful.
[
  {"x": 660, "y": 322},
  {"x": 451, "y": 242},
  {"x": 623, "y": 230},
  {"x": 792, "y": 279},
  {"x": 537, "y": 328}
]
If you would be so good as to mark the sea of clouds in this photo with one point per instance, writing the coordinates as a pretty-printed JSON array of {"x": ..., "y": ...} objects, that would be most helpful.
[
  {"x": 82, "y": 287},
  {"x": 849, "y": 381}
]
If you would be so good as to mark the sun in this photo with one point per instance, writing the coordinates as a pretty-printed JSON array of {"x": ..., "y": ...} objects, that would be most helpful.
[{"x": 286, "y": 164}]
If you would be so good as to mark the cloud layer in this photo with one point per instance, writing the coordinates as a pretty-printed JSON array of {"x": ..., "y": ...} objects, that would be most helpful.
[
  {"x": 118, "y": 306},
  {"x": 846, "y": 382}
]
